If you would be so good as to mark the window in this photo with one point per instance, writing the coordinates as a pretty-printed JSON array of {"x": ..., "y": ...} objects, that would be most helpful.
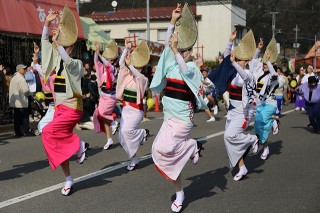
[
  {"x": 162, "y": 35},
  {"x": 140, "y": 33}
]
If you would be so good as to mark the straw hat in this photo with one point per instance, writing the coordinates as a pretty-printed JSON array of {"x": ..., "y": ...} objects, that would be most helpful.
[
  {"x": 186, "y": 28},
  {"x": 68, "y": 29},
  {"x": 246, "y": 47},
  {"x": 272, "y": 49},
  {"x": 111, "y": 51},
  {"x": 141, "y": 55}
]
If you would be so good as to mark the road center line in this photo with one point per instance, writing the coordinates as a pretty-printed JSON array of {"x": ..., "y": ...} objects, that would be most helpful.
[{"x": 92, "y": 175}]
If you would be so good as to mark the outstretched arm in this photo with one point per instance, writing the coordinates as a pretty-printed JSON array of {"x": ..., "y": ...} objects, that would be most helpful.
[
  {"x": 233, "y": 36},
  {"x": 49, "y": 18},
  {"x": 258, "y": 50},
  {"x": 97, "y": 54},
  {"x": 122, "y": 61},
  {"x": 176, "y": 13},
  {"x": 174, "y": 46}
]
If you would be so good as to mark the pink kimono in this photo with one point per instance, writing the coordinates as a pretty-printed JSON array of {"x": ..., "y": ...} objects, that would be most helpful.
[
  {"x": 130, "y": 135},
  {"x": 107, "y": 101}
]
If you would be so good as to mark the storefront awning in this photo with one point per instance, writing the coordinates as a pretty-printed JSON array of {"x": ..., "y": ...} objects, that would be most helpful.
[
  {"x": 93, "y": 33},
  {"x": 26, "y": 17}
]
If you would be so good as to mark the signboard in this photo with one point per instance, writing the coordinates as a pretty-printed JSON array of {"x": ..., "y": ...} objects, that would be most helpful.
[{"x": 28, "y": 16}]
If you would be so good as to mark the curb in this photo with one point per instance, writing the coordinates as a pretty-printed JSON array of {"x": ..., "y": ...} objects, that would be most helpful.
[{"x": 6, "y": 128}]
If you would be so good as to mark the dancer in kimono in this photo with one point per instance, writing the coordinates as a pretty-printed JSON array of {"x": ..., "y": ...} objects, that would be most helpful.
[
  {"x": 267, "y": 83},
  {"x": 105, "y": 71},
  {"x": 131, "y": 86},
  {"x": 310, "y": 91},
  {"x": 241, "y": 91},
  {"x": 181, "y": 79},
  {"x": 59, "y": 142},
  {"x": 300, "y": 102}
]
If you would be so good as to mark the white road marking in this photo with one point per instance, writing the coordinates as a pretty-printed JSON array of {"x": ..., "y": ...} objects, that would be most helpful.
[{"x": 91, "y": 175}]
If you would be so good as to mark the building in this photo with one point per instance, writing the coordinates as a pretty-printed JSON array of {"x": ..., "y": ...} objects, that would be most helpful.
[
  {"x": 215, "y": 20},
  {"x": 311, "y": 58}
]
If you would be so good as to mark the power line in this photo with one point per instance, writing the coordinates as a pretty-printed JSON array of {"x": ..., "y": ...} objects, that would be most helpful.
[{"x": 298, "y": 11}]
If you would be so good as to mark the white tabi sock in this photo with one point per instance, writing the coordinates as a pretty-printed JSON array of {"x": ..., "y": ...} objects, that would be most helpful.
[
  {"x": 179, "y": 197},
  {"x": 135, "y": 160},
  {"x": 110, "y": 141},
  {"x": 69, "y": 182},
  {"x": 243, "y": 170}
]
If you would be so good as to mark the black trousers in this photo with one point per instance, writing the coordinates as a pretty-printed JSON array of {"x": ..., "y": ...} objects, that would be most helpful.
[{"x": 21, "y": 121}]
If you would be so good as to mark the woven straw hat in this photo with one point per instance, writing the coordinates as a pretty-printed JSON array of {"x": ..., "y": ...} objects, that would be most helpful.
[
  {"x": 141, "y": 55},
  {"x": 246, "y": 47},
  {"x": 111, "y": 51},
  {"x": 186, "y": 28},
  {"x": 68, "y": 29},
  {"x": 272, "y": 49}
]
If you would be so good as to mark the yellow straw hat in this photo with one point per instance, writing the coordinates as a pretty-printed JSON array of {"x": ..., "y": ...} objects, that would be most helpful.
[
  {"x": 272, "y": 49},
  {"x": 141, "y": 55},
  {"x": 68, "y": 29},
  {"x": 246, "y": 47},
  {"x": 111, "y": 51},
  {"x": 186, "y": 28}
]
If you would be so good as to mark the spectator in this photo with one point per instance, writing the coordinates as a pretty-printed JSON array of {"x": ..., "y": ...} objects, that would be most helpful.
[
  {"x": 210, "y": 90},
  {"x": 18, "y": 99},
  {"x": 31, "y": 80},
  {"x": 8, "y": 77},
  {"x": 300, "y": 102},
  {"x": 310, "y": 91},
  {"x": 280, "y": 91},
  {"x": 87, "y": 70}
]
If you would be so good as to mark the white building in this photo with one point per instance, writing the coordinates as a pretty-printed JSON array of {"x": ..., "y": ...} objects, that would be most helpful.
[{"x": 215, "y": 20}]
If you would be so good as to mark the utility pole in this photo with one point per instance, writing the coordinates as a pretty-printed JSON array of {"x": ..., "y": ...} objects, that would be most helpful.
[
  {"x": 148, "y": 21},
  {"x": 295, "y": 46},
  {"x": 273, "y": 22}
]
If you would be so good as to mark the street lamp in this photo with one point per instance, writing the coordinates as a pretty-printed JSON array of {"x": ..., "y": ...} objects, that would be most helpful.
[{"x": 114, "y": 5}]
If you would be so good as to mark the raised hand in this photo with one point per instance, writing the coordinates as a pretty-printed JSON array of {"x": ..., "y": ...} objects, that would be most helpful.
[
  {"x": 51, "y": 17},
  {"x": 176, "y": 13},
  {"x": 97, "y": 47},
  {"x": 55, "y": 34},
  {"x": 174, "y": 42},
  {"x": 260, "y": 44},
  {"x": 268, "y": 55},
  {"x": 233, "y": 35},
  {"x": 232, "y": 56},
  {"x": 127, "y": 43}
]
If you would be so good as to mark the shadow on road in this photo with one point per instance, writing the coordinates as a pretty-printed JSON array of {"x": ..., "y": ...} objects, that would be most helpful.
[
  {"x": 19, "y": 170},
  {"x": 203, "y": 184},
  {"x": 101, "y": 180},
  {"x": 308, "y": 129},
  {"x": 253, "y": 162}
]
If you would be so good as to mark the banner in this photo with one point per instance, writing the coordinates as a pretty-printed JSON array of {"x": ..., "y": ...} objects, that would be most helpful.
[{"x": 27, "y": 17}]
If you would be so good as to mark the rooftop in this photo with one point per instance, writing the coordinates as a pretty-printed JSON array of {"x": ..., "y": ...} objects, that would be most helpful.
[{"x": 137, "y": 14}]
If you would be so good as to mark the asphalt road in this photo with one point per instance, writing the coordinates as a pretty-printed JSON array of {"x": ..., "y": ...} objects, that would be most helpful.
[{"x": 288, "y": 181}]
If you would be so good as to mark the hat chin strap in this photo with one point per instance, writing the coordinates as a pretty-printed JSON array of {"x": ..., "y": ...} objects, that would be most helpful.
[{"x": 187, "y": 59}]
